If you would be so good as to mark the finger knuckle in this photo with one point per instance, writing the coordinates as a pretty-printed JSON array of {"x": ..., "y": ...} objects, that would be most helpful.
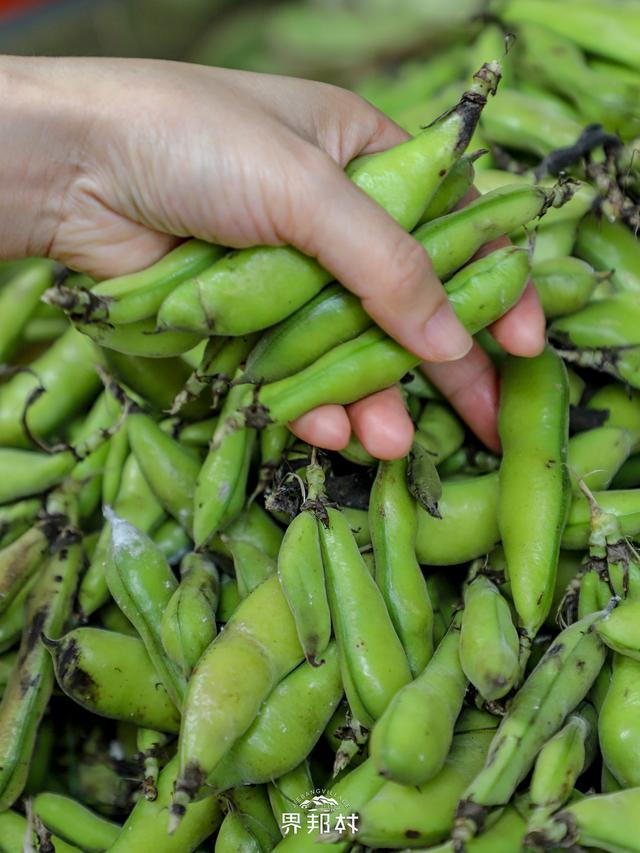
[{"x": 408, "y": 269}]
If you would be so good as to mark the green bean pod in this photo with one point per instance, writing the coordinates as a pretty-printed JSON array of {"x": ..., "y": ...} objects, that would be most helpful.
[
  {"x": 114, "y": 466},
  {"x": 480, "y": 294},
  {"x": 408, "y": 816},
  {"x": 276, "y": 280},
  {"x": 218, "y": 365},
  {"x": 559, "y": 764},
  {"x": 19, "y": 298},
  {"x": 619, "y": 721},
  {"x": 523, "y": 122},
  {"x": 595, "y": 456},
  {"x": 614, "y": 558},
  {"x": 253, "y": 826},
  {"x": 44, "y": 329},
  {"x": 417, "y": 385},
  {"x": 452, "y": 239},
  {"x": 572, "y": 210},
  {"x": 235, "y": 835},
  {"x": 229, "y": 599},
  {"x": 446, "y": 601},
  {"x": 628, "y": 475},
  {"x": 624, "y": 504},
  {"x": 67, "y": 373},
  {"x": 155, "y": 380},
  {"x": 172, "y": 541},
  {"x": 232, "y": 679},
  {"x": 469, "y": 524},
  {"x": 288, "y": 790},
  {"x": 189, "y": 620},
  {"x": 608, "y": 782},
  {"x": 611, "y": 322},
  {"x": 610, "y": 246},
  {"x": 29, "y": 689},
  {"x": 198, "y": 434},
  {"x": 505, "y": 835},
  {"x": 393, "y": 524},
  {"x": 12, "y": 620},
  {"x": 619, "y": 406},
  {"x": 11, "y": 531},
  {"x": 371, "y": 653},
  {"x": 20, "y": 560},
  {"x": 140, "y": 338},
  {"x": 135, "y": 502},
  {"x": 453, "y": 188},
  {"x": 16, "y": 832},
  {"x": 74, "y": 822},
  {"x": 598, "y": 96},
  {"x": 29, "y": 472},
  {"x": 221, "y": 483},
  {"x": 301, "y": 574},
  {"x": 146, "y": 826},
  {"x": 564, "y": 285},
  {"x": 256, "y": 526},
  {"x": 7, "y": 664},
  {"x": 485, "y": 289},
  {"x": 142, "y": 583},
  {"x": 394, "y": 90},
  {"x": 332, "y": 317},
  {"x": 577, "y": 386},
  {"x": 590, "y": 593},
  {"x": 111, "y": 674},
  {"x": 136, "y": 296},
  {"x": 556, "y": 686},
  {"x": 553, "y": 240},
  {"x": 603, "y": 30},
  {"x": 619, "y": 630},
  {"x": 410, "y": 741},
  {"x": 103, "y": 422},
  {"x": 439, "y": 431},
  {"x": 169, "y": 469},
  {"x": 622, "y": 362},
  {"x": 339, "y": 376},
  {"x": 290, "y": 723},
  {"x": 489, "y": 643},
  {"x": 534, "y": 484},
  {"x": 251, "y": 565},
  {"x": 604, "y": 822},
  {"x": 16, "y": 518},
  {"x": 355, "y": 453},
  {"x": 274, "y": 440}
]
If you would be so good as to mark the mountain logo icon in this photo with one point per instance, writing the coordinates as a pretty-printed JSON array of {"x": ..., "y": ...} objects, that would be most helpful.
[{"x": 319, "y": 802}]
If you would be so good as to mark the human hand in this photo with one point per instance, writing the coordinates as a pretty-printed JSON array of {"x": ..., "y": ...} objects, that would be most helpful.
[{"x": 135, "y": 154}]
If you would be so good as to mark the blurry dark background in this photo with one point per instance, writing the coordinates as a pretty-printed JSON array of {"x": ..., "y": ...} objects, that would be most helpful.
[{"x": 336, "y": 40}]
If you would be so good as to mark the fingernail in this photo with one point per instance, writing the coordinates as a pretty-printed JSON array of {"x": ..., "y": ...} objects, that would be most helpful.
[{"x": 446, "y": 338}]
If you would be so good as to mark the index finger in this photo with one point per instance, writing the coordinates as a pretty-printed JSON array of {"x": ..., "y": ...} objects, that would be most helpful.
[{"x": 365, "y": 249}]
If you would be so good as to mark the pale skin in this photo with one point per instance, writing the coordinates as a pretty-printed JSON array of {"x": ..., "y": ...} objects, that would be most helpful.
[{"x": 108, "y": 163}]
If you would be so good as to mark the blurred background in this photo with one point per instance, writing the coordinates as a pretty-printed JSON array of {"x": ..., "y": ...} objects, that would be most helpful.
[
  {"x": 411, "y": 58},
  {"x": 336, "y": 40}
]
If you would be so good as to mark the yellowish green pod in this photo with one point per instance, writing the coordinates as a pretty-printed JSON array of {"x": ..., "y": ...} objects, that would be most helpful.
[
  {"x": 489, "y": 642},
  {"x": 74, "y": 822},
  {"x": 111, "y": 674},
  {"x": 410, "y": 742}
]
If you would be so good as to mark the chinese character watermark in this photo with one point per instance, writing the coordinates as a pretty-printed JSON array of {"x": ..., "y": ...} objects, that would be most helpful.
[{"x": 320, "y": 813}]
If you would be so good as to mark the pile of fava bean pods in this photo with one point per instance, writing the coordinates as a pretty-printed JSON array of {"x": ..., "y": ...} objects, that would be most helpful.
[{"x": 215, "y": 637}]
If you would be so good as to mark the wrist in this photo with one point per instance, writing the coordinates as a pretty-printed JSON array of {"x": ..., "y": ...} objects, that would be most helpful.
[{"x": 42, "y": 121}]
